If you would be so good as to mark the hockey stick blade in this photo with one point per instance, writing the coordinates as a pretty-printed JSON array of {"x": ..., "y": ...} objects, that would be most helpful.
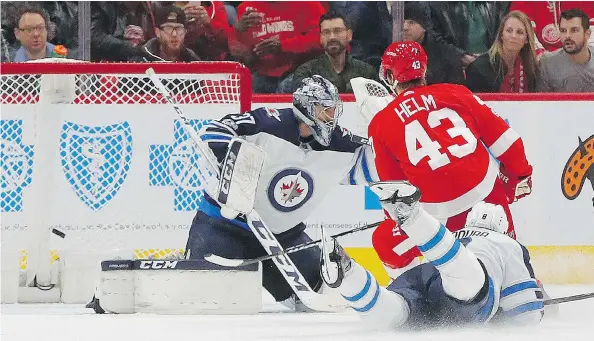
[
  {"x": 215, "y": 259},
  {"x": 232, "y": 263},
  {"x": 569, "y": 298}
]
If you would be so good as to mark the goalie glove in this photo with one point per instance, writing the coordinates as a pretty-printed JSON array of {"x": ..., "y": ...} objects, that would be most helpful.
[
  {"x": 371, "y": 97},
  {"x": 515, "y": 188}
]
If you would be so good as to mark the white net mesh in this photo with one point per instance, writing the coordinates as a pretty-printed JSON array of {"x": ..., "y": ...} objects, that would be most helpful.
[
  {"x": 114, "y": 166},
  {"x": 128, "y": 89}
]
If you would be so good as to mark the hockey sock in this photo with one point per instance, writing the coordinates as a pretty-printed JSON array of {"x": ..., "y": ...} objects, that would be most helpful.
[
  {"x": 375, "y": 304},
  {"x": 462, "y": 275}
]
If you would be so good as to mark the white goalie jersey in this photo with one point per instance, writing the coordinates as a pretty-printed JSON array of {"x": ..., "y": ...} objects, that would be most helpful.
[{"x": 297, "y": 173}]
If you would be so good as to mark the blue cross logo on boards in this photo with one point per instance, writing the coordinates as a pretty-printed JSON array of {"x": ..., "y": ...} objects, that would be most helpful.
[
  {"x": 17, "y": 165},
  {"x": 177, "y": 165},
  {"x": 96, "y": 160}
]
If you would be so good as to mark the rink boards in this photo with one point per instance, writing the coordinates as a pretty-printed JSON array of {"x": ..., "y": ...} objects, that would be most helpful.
[{"x": 120, "y": 177}]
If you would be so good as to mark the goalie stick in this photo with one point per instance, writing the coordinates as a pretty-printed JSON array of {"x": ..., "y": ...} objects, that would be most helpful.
[
  {"x": 285, "y": 265},
  {"x": 242, "y": 262}
]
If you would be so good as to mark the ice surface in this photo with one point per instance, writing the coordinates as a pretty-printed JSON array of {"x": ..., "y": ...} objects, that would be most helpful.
[{"x": 58, "y": 322}]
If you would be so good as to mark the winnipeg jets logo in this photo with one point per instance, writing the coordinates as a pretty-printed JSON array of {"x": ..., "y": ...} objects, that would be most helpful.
[
  {"x": 273, "y": 113},
  {"x": 290, "y": 192},
  {"x": 290, "y": 189},
  {"x": 96, "y": 160}
]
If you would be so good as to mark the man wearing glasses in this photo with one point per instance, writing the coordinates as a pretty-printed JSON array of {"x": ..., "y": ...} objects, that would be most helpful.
[
  {"x": 31, "y": 31},
  {"x": 336, "y": 64},
  {"x": 168, "y": 46}
]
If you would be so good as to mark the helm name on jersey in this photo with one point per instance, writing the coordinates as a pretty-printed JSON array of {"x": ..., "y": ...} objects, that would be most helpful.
[
  {"x": 290, "y": 189},
  {"x": 411, "y": 106}
]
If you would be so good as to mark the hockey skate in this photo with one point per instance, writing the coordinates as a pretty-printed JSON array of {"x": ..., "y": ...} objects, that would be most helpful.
[
  {"x": 399, "y": 198},
  {"x": 335, "y": 262}
]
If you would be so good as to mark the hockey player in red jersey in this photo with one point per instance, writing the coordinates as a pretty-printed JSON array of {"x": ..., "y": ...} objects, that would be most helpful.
[{"x": 440, "y": 138}]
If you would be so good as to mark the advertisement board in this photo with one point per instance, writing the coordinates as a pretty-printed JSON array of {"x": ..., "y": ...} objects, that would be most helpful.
[{"x": 121, "y": 177}]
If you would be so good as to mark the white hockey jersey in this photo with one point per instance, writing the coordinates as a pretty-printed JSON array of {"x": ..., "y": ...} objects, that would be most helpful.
[
  {"x": 297, "y": 173},
  {"x": 507, "y": 262}
]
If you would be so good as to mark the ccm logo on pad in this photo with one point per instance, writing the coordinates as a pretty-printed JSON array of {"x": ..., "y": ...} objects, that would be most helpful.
[{"x": 158, "y": 264}]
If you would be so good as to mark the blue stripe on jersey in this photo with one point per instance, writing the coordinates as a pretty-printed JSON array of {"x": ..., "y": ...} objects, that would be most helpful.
[
  {"x": 484, "y": 313},
  {"x": 354, "y": 169},
  {"x": 212, "y": 211},
  {"x": 362, "y": 293},
  {"x": 448, "y": 255},
  {"x": 215, "y": 137},
  {"x": 365, "y": 167},
  {"x": 434, "y": 241},
  {"x": 524, "y": 308},
  {"x": 530, "y": 284},
  {"x": 373, "y": 301}
]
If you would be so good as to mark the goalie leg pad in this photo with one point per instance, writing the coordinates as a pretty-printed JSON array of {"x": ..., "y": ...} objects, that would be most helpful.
[
  {"x": 239, "y": 176},
  {"x": 178, "y": 287}
]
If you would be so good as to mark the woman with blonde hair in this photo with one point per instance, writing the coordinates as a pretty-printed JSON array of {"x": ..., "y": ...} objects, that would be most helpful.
[{"x": 510, "y": 65}]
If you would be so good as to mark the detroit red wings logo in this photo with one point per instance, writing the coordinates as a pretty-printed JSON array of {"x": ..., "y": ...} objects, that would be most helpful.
[{"x": 290, "y": 189}]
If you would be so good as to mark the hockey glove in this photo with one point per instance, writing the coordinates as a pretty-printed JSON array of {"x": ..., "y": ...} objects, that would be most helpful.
[{"x": 515, "y": 188}]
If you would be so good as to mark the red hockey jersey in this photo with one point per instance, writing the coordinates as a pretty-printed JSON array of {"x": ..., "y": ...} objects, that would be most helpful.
[
  {"x": 436, "y": 137},
  {"x": 295, "y": 23}
]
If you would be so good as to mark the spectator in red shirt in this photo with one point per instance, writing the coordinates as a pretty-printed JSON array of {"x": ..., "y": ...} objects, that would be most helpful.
[
  {"x": 273, "y": 38},
  {"x": 208, "y": 29}
]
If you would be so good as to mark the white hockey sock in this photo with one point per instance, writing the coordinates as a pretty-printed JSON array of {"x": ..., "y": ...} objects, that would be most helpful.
[
  {"x": 376, "y": 306},
  {"x": 462, "y": 275}
]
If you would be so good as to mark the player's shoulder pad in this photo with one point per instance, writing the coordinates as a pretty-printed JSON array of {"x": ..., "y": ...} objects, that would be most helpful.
[
  {"x": 352, "y": 137},
  {"x": 274, "y": 115}
]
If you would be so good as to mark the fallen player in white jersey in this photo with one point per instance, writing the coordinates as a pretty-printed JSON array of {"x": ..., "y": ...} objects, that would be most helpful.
[{"x": 484, "y": 276}]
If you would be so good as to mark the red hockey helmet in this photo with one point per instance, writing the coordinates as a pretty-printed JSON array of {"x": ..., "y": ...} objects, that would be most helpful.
[{"x": 406, "y": 61}]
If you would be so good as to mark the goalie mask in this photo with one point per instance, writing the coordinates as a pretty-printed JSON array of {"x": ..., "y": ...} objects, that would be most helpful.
[{"x": 318, "y": 105}]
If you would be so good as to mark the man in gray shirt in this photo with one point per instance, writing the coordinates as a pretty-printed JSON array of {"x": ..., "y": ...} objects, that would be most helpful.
[{"x": 570, "y": 69}]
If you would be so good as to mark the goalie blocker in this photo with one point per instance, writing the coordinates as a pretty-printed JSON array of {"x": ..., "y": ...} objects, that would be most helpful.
[
  {"x": 177, "y": 287},
  {"x": 240, "y": 173}
]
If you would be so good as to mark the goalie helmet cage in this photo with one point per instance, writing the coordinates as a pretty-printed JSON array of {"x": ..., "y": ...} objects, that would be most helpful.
[{"x": 92, "y": 150}]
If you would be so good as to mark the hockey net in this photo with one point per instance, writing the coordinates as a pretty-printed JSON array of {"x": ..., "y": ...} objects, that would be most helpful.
[{"x": 93, "y": 150}]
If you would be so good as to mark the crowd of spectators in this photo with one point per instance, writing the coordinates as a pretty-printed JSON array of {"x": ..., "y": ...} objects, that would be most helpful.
[{"x": 489, "y": 46}]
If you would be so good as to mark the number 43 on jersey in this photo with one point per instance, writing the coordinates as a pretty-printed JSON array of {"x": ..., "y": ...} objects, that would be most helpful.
[{"x": 420, "y": 145}]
